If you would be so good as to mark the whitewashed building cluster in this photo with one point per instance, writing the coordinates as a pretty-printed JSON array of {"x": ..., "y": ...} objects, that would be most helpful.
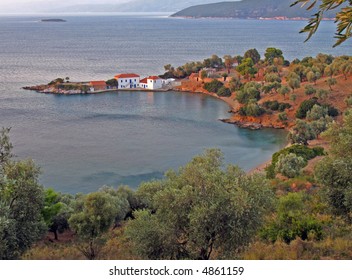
[{"x": 131, "y": 80}]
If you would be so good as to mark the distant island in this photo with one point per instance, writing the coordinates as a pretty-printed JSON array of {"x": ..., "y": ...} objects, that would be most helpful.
[
  {"x": 53, "y": 20},
  {"x": 249, "y": 9}
]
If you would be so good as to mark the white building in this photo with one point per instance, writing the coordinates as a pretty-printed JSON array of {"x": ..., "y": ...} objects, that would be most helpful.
[
  {"x": 128, "y": 80},
  {"x": 151, "y": 82},
  {"x": 143, "y": 83},
  {"x": 154, "y": 82}
]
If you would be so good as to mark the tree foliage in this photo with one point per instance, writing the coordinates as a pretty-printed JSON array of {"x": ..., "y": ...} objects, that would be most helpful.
[
  {"x": 253, "y": 54},
  {"x": 213, "y": 86},
  {"x": 198, "y": 210},
  {"x": 301, "y": 133},
  {"x": 247, "y": 68},
  {"x": 94, "y": 215},
  {"x": 335, "y": 171},
  {"x": 292, "y": 221},
  {"x": 21, "y": 202},
  {"x": 290, "y": 165},
  {"x": 343, "y": 17}
]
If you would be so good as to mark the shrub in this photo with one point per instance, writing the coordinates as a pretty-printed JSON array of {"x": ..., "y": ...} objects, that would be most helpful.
[
  {"x": 321, "y": 125},
  {"x": 283, "y": 117},
  {"x": 292, "y": 221},
  {"x": 306, "y": 106},
  {"x": 272, "y": 105},
  {"x": 251, "y": 109},
  {"x": 301, "y": 133},
  {"x": 276, "y": 106},
  {"x": 299, "y": 150},
  {"x": 316, "y": 113},
  {"x": 284, "y": 106},
  {"x": 290, "y": 165},
  {"x": 309, "y": 90},
  {"x": 249, "y": 91},
  {"x": 332, "y": 111},
  {"x": 213, "y": 86},
  {"x": 224, "y": 92}
]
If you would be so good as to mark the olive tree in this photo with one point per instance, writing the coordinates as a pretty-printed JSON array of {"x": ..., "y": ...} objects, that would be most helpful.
[
  {"x": 94, "y": 215},
  {"x": 200, "y": 210},
  {"x": 343, "y": 17},
  {"x": 335, "y": 171},
  {"x": 21, "y": 202},
  {"x": 301, "y": 133},
  {"x": 290, "y": 165}
]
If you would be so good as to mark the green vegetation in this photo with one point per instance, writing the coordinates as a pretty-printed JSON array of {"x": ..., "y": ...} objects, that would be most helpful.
[
  {"x": 224, "y": 92},
  {"x": 247, "y": 68},
  {"x": 276, "y": 106},
  {"x": 301, "y": 151},
  {"x": 251, "y": 109},
  {"x": 112, "y": 83},
  {"x": 21, "y": 202},
  {"x": 200, "y": 210},
  {"x": 193, "y": 67},
  {"x": 343, "y": 16},
  {"x": 290, "y": 165},
  {"x": 94, "y": 214},
  {"x": 334, "y": 171},
  {"x": 252, "y": 54},
  {"x": 292, "y": 221},
  {"x": 306, "y": 106},
  {"x": 214, "y": 86},
  {"x": 248, "y": 92}
]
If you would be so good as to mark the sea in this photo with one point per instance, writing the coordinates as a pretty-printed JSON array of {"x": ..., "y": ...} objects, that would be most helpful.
[{"x": 124, "y": 138}]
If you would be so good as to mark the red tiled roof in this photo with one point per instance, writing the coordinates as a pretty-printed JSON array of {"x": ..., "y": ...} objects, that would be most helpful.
[
  {"x": 144, "y": 81},
  {"x": 153, "y": 78},
  {"x": 194, "y": 75},
  {"x": 97, "y": 83},
  {"x": 127, "y": 75}
]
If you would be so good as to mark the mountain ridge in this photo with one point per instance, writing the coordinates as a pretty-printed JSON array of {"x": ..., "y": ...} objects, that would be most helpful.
[{"x": 248, "y": 9}]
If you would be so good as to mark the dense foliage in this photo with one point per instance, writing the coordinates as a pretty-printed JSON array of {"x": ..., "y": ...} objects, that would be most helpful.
[
  {"x": 299, "y": 150},
  {"x": 21, "y": 202},
  {"x": 199, "y": 210},
  {"x": 335, "y": 171}
]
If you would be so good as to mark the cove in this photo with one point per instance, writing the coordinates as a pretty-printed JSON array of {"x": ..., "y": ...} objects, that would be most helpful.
[{"x": 84, "y": 142}]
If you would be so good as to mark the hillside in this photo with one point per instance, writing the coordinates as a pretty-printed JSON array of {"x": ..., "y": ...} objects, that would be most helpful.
[{"x": 248, "y": 9}]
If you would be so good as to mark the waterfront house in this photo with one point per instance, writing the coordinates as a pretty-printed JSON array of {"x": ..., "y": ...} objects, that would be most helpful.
[
  {"x": 97, "y": 85},
  {"x": 143, "y": 83},
  {"x": 151, "y": 82},
  {"x": 155, "y": 82},
  {"x": 127, "y": 80}
]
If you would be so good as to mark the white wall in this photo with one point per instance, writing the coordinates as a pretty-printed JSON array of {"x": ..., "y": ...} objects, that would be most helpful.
[
  {"x": 155, "y": 84},
  {"x": 128, "y": 82}
]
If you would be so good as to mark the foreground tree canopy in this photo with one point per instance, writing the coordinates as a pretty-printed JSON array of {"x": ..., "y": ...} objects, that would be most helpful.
[
  {"x": 21, "y": 202},
  {"x": 335, "y": 171},
  {"x": 343, "y": 17},
  {"x": 199, "y": 211}
]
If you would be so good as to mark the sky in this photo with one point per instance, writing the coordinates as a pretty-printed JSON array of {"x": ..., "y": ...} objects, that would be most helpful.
[
  {"x": 34, "y": 6},
  {"x": 13, "y": 5}
]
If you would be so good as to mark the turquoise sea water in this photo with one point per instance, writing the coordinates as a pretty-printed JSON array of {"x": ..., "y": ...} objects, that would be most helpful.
[{"x": 84, "y": 142}]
